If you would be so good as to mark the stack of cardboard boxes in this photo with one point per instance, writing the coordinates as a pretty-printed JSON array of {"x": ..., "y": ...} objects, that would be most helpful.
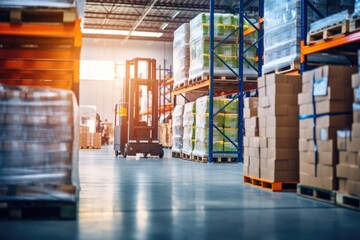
[
  {"x": 89, "y": 140},
  {"x": 251, "y": 138},
  {"x": 166, "y": 134},
  {"x": 279, "y": 127},
  {"x": 84, "y": 131},
  {"x": 348, "y": 143},
  {"x": 325, "y": 107}
]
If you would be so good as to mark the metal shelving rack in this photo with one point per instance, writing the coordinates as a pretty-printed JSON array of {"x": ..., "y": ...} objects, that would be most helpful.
[
  {"x": 166, "y": 83},
  {"x": 342, "y": 42},
  {"x": 241, "y": 11}
]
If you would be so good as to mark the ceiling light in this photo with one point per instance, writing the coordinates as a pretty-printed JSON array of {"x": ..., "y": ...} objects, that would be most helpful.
[
  {"x": 120, "y": 32},
  {"x": 175, "y": 14},
  {"x": 164, "y": 25}
]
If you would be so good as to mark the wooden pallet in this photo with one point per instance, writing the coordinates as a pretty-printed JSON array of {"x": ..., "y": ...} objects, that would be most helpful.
[
  {"x": 216, "y": 159},
  {"x": 319, "y": 194},
  {"x": 88, "y": 147},
  {"x": 269, "y": 185},
  {"x": 206, "y": 77},
  {"x": 328, "y": 32},
  {"x": 200, "y": 159},
  {"x": 294, "y": 66},
  {"x": 181, "y": 85},
  {"x": 40, "y": 15},
  {"x": 186, "y": 156},
  {"x": 354, "y": 24},
  {"x": 44, "y": 209},
  {"x": 176, "y": 154},
  {"x": 347, "y": 200}
]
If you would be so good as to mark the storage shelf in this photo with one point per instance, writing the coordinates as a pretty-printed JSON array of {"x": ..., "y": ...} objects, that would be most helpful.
[{"x": 329, "y": 44}]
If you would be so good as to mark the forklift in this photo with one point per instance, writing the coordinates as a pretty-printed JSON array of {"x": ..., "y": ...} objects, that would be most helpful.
[{"x": 135, "y": 131}]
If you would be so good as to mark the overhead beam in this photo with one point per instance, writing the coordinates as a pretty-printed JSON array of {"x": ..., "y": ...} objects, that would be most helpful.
[
  {"x": 126, "y": 28},
  {"x": 160, "y": 39}
]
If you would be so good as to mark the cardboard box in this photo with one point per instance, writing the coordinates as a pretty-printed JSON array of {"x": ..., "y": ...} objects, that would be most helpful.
[
  {"x": 356, "y": 112},
  {"x": 338, "y": 93},
  {"x": 342, "y": 185},
  {"x": 306, "y": 88},
  {"x": 272, "y": 79},
  {"x": 353, "y": 145},
  {"x": 263, "y": 142},
  {"x": 342, "y": 171},
  {"x": 326, "y": 146},
  {"x": 303, "y": 145},
  {"x": 282, "y": 110},
  {"x": 282, "y": 143},
  {"x": 307, "y": 157},
  {"x": 251, "y": 102},
  {"x": 254, "y": 142},
  {"x": 262, "y": 92},
  {"x": 283, "y": 153},
  {"x": 281, "y": 165},
  {"x": 262, "y": 131},
  {"x": 250, "y": 112},
  {"x": 279, "y": 176},
  {"x": 251, "y": 122},
  {"x": 336, "y": 75},
  {"x": 353, "y": 187},
  {"x": 342, "y": 139},
  {"x": 355, "y": 80},
  {"x": 282, "y": 88},
  {"x": 263, "y": 153},
  {"x": 246, "y": 151},
  {"x": 251, "y": 131},
  {"x": 357, "y": 94},
  {"x": 353, "y": 173},
  {"x": 254, "y": 153},
  {"x": 246, "y": 160},
  {"x": 324, "y": 183},
  {"x": 322, "y": 170},
  {"x": 343, "y": 157},
  {"x": 262, "y": 121},
  {"x": 261, "y": 82},
  {"x": 261, "y": 112},
  {"x": 254, "y": 172},
  {"x": 246, "y": 170},
  {"x": 326, "y": 107},
  {"x": 282, "y": 132},
  {"x": 246, "y": 141},
  {"x": 254, "y": 162},
  {"x": 282, "y": 121},
  {"x": 322, "y": 133},
  {"x": 308, "y": 78},
  {"x": 355, "y": 130},
  {"x": 278, "y": 99}
]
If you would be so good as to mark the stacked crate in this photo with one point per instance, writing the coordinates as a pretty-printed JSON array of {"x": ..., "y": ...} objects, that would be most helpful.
[
  {"x": 189, "y": 121},
  {"x": 84, "y": 131},
  {"x": 177, "y": 130},
  {"x": 230, "y": 124},
  {"x": 348, "y": 144},
  {"x": 279, "y": 127},
  {"x": 38, "y": 150},
  {"x": 94, "y": 140},
  {"x": 166, "y": 134},
  {"x": 251, "y": 138},
  {"x": 325, "y": 107}
]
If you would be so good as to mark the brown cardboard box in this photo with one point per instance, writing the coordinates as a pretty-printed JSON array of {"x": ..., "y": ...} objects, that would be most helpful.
[
  {"x": 282, "y": 110},
  {"x": 322, "y": 133},
  {"x": 251, "y": 122},
  {"x": 251, "y": 102},
  {"x": 282, "y": 88},
  {"x": 282, "y": 121},
  {"x": 283, "y": 153},
  {"x": 353, "y": 173},
  {"x": 342, "y": 171},
  {"x": 262, "y": 91},
  {"x": 307, "y": 78},
  {"x": 282, "y": 78},
  {"x": 307, "y": 157},
  {"x": 246, "y": 141},
  {"x": 250, "y": 112},
  {"x": 282, "y": 132},
  {"x": 322, "y": 170},
  {"x": 278, "y": 99},
  {"x": 356, "y": 112},
  {"x": 342, "y": 185},
  {"x": 326, "y": 146},
  {"x": 263, "y": 153},
  {"x": 355, "y": 80},
  {"x": 254, "y": 153},
  {"x": 246, "y": 160},
  {"x": 326, "y": 107},
  {"x": 262, "y": 131},
  {"x": 261, "y": 82},
  {"x": 319, "y": 182},
  {"x": 254, "y": 172},
  {"x": 353, "y": 187},
  {"x": 303, "y": 145},
  {"x": 252, "y": 131},
  {"x": 279, "y": 176},
  {"x": 306, "y": 87},
  {"x": 338, "y": 93},
  {"x": 342, "y": 139},
  {"x": 356, "y": 130},
  {"x": 343, "y": 157},
  {"x": 262, "y": 121},
  {"x": 246, "y": 170},
  {"x": 281, "y": 165},
  {"x": 254, "y": 142},
  {"x": 254, "y": 162},
  {"x": 246, "y": 151},
  {"x": 261, "y": 112},
  {"x": 263, "y": 142},
  {"x": 334, "y": 73},
  {"x": 353, "y": 145},
  {"x": 282, "y": 143}
]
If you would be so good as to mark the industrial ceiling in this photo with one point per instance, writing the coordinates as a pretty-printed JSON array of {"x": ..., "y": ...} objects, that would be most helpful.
[{"x": 151, "y": 16}]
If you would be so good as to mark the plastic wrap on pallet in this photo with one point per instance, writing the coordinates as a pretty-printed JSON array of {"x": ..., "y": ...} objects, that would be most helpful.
[
  {"x": 232, "y": 107},
  {"x": 201, "y": 149},
  {"x": 181, "y": 54},
  {"x": 202, "y": 120},
  {"x": 190, "y": 107},
  {"x": 229, "y": 147},
  {"x": 189, "y": 117},
  {"x": 188, "y": 146},
  {"x": 228, "y": 51},
  {"x": 356, "y": 8},
  {"x": 177, "y": 144},
  {"x": 177, "y": 128},
  {"x": 231, "y": 120},
  {"x": 329, "y": 21},
  {"x": 189, "y": 132},
  {"x": 178, "y": 115},
  {"x": 202, "y": 104},
  {"x": 202, "y": 134},
  {"x": 282, "y": 27},
  {"x": 38, "y": 143}
]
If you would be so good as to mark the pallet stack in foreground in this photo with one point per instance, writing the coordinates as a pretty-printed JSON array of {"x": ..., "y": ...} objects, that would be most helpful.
[
  {"x": 325, "y": 107},
  {"x": 38, "y": 151},
  {"x": 177, "y": 131}
]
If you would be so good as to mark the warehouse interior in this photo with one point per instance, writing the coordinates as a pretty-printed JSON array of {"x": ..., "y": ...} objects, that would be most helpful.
[{"x": 170, "y": 119}]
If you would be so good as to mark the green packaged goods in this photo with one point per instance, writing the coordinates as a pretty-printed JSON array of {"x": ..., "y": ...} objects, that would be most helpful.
[
  {"x": 231, "y": 120},
  {"x": 231, "y": 133}
]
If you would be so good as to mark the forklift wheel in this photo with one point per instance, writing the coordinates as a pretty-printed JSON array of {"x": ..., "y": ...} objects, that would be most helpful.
[
  {"x": 116, "y": 153},
  {"x": 161, "y": 155}
]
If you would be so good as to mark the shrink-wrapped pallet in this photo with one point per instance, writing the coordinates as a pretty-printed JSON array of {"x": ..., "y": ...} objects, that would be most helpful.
[{"x": 177, "y": 129}]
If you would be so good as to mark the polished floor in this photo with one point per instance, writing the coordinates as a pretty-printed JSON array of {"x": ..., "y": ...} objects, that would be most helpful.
[{"x": 175, "y": 199}]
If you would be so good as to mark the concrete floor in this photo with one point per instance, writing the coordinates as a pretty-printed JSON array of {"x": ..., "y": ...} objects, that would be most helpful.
[{"x": 176, "y": 199}]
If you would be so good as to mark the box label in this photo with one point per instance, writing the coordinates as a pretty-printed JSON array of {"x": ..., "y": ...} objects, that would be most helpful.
[{"x": 320, "y": 87}]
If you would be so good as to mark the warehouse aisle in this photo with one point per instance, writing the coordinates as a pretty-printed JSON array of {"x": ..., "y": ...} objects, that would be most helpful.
[{"x": 176, "y": 199}]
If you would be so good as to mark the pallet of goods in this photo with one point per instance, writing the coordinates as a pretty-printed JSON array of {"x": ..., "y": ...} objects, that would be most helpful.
[
  {"x": 177, "y": 131},
  {"x": 38, "y": 152}
]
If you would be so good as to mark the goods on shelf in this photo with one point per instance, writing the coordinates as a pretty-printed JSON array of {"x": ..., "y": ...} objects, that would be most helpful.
[
  {"x": 166, "y": 134},
  {"x": 189, "y": 121},
  {"x": 228, "y": 51},
  {"x": 327, "y": 97},
  {"x": 348, "y": 145},
  {"x": 251, "y": 154},
  {"x": 279, "y": 127},
  {"x": 177, "y": 129},
  {"x": 329, "y": 21},
  {"x": 181, "y": 53},
  {"x": 38, "y": 147},
  {"x": 357, "y": 7}
]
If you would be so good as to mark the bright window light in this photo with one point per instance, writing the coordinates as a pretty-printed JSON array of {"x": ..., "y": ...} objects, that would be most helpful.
[
  {"x": 175, "y": 14},
  {"x": 97, "y": 70},
  {"x": 120, "y": 32},
  {"x": 164, "y": 25}
]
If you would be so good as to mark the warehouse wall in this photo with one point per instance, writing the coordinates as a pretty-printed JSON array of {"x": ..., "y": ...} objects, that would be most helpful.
[{"x": 104, "y": 94}]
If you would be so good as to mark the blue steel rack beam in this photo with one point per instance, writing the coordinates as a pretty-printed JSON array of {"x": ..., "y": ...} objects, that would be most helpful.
[{"x": 240, "y": 74}]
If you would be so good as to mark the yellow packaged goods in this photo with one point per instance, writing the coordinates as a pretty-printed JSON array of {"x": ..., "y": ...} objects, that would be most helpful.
[
  {"x": 231, "y": 133},
  {"x": 232, "y": 106},
  {"x": 202, "y": 149},
  {"x": 229, "y": 147},
  {"x": 231, "y": 120}
]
